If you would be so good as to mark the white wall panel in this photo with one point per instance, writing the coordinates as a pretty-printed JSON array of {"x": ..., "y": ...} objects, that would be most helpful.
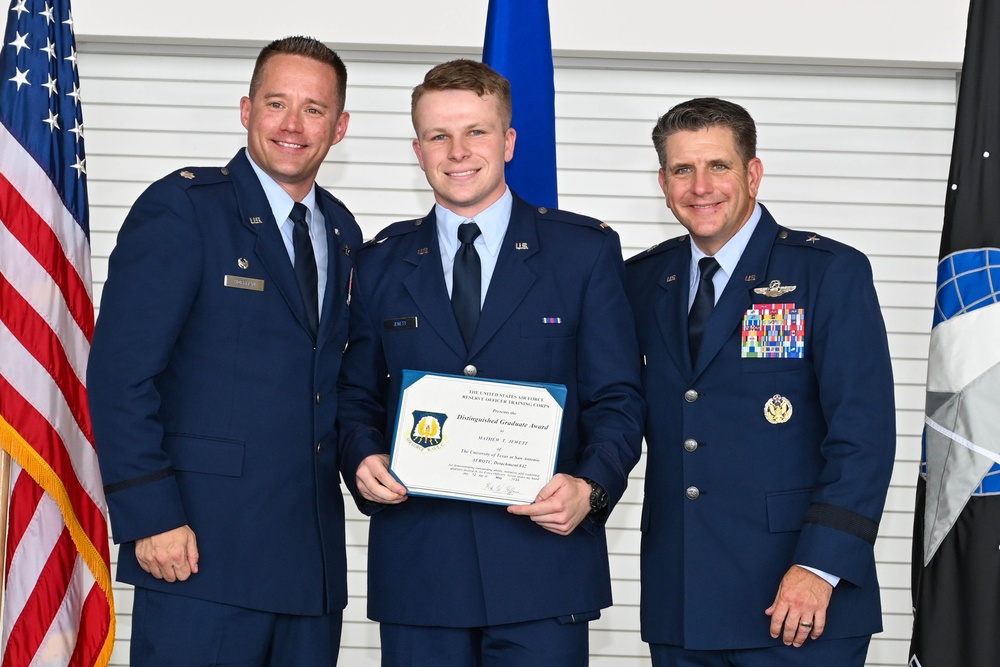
[{"x": 860, "y": 155}]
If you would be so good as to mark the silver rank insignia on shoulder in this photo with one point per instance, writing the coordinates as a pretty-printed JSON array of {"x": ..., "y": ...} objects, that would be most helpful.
[
  {"x": 778, "y": 409},
  {"x": 775, "y": 289},
  {"x": 187, "y": 174},
  {"x": 812, "y": 238},
  {"x": 256, "y": 220},
  {"x": 243, "y": 263},
  {"x": 521, "y": 245}
]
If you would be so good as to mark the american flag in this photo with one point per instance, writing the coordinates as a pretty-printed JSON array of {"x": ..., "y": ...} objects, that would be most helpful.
[{"x": 57, "y": 603}]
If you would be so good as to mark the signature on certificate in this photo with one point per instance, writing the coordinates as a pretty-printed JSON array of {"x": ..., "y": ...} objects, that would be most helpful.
[{"x": 501, "y": 488}]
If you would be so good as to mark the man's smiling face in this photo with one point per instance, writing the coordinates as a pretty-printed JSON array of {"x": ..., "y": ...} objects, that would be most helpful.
[
  {"x": 462, "y": 146},
  {"x": 708, "y": 187}
]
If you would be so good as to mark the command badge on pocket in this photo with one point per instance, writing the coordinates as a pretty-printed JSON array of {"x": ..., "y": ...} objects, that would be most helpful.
[{"x": 778, "y": 409}]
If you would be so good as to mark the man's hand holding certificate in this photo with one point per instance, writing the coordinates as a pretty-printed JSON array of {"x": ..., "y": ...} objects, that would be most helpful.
[{"x": 476, "y": 439}]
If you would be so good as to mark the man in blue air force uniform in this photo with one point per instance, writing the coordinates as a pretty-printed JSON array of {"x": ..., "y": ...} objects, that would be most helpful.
[
  {"x": 460, "y": 583},
  {"x": 212, "y": 385},
  {"x": 770, "y": 429}
]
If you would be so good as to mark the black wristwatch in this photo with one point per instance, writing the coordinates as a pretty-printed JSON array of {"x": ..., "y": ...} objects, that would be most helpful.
[{"x": 598, "y": 497}]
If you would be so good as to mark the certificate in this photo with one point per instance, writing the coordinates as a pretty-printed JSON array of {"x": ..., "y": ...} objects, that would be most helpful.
[{"x": 476, "y": 439}]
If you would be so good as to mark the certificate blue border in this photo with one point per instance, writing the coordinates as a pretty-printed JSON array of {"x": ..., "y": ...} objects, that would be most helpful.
[{"x": 409, "y": 377}]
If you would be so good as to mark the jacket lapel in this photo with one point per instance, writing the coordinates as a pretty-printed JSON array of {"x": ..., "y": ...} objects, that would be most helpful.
[
  {"x": 339, "y": 269},
  {"x": 512, "y": 277},
  {"x": 735, "y": 300},
  {"x": 671, "y": 308},
  {"x": 255, "y": 214},
  {"x": 427, "y": 287}
]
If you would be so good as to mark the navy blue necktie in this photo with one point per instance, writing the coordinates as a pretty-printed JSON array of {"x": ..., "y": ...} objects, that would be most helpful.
[
  {"x": 466, "y": 282},
  {"x": 704, "y": 302},
  {"x": 305, "y": 264}
]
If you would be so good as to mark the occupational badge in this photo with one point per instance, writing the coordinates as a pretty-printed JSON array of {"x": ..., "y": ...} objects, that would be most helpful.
[
  {"x": 778, "y": 409},
  {"x": 775, "y": 288}
]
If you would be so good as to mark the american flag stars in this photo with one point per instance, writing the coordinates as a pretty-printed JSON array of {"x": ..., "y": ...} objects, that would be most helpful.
[{"x": 39, "y": 84}]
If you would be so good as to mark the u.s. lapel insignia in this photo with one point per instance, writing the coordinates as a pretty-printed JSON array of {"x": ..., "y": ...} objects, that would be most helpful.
[
  {"x": 749, "y": 279},
  {"x": 187, "y": 174},
  {"x": 347, "y": 250},
  {"x": 778, "y": 409},
  {"x": 256, "y": 220},
  {"x": 671, "y": 279},
  {"x": 336, "y": 231},
  {"x": 422, "y": 251},
  {"x": 775, "y": 289},
  {"x": 243, "y": 263},
  {"x": 522, "y": 245}
]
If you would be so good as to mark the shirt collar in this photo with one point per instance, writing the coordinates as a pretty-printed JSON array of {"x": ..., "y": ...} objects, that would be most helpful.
[
  {"x": 492, "y": 222},
  {"x": 280, "y": 201}
]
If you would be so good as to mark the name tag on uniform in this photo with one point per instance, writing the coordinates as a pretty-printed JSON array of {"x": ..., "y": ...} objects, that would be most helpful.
[
  {"x": 399, "y": 323},
  {"x": 774, "y": 331},
  {"x": 239, "y": 282}
]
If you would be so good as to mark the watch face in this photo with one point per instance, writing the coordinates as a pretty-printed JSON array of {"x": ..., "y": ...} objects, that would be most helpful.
[{"x": 598, "y": 497}]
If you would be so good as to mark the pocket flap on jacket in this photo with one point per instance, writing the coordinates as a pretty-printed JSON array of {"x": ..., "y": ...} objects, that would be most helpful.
[{"x": 786, "y": 510}]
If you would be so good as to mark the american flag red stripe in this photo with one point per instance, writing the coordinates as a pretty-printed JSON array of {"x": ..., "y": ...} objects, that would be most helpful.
[
  {"x": 39, "y": 239},
  {"x": 58, "y": 603}
]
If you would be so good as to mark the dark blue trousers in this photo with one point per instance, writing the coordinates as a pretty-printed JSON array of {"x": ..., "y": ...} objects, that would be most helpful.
[{"x": 177, "y": 631}]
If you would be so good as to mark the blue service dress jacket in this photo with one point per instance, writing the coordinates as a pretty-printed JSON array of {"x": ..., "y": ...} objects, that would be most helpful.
[
  {"x": 213, "y": 403},
  {"x": 758, "y": 464},
  {"x": 555, "y": 312}
]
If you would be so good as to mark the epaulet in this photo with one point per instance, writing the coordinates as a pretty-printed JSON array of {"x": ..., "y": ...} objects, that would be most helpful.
[
  {"x": 189, "y": 176},
  {"x": 807, "y": 239},
  {"x": 657, "y": 248},
  {"x": 397, "y": 229},
  {"x": 560, "y": 215}
]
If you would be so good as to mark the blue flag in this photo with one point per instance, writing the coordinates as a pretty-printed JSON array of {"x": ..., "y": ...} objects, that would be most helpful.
[{"x": 519, "y": 46}]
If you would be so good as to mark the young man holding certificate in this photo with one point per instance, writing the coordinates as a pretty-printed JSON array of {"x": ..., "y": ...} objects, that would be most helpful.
[{"x": 487, "y": 288}]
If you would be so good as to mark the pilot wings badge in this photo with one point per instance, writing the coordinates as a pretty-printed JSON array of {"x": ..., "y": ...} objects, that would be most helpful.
[{"x": 775, "y": 289}]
